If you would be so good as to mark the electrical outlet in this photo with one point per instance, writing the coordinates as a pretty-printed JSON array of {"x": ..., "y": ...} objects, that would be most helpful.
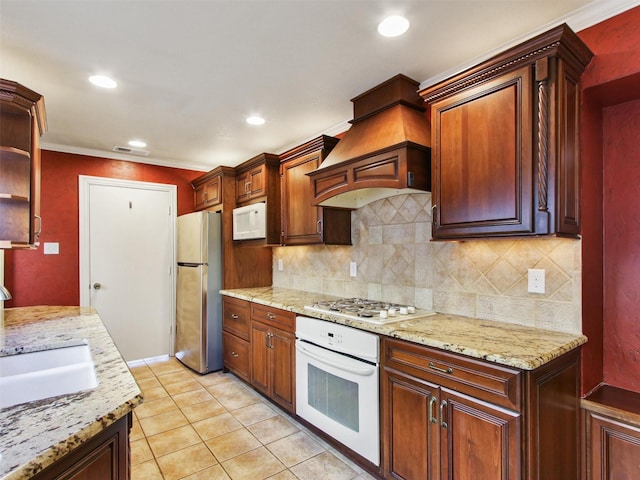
[
  {"x": 536, "y": 280},
  {"x": 280, "y": 265},
  {"x": 353, "y": 269}
]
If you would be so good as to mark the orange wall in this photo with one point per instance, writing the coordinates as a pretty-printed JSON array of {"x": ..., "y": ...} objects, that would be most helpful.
[
  {"x": 611, "y": 203},
  {"x": 37, "y": 279}
]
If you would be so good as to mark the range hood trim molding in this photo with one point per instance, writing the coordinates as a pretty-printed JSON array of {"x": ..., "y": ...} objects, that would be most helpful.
[{"x": 387, "y": 147}]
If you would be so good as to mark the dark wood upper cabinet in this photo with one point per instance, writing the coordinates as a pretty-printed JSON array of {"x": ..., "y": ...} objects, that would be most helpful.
[
  {"x": 258, "y": 180},
  {"x": 504, "y": 135},
  {"x": 208, "y": 188},
  {"x": 22, "y": 121},
  {"x": 302, "y": 222}
]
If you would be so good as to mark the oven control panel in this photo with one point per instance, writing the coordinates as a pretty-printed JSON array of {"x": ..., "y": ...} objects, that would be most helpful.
[{"x": 340, "y": 338}]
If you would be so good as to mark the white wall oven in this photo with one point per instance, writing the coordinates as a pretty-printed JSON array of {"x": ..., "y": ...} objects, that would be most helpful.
[{"x": 337, "y": 383}]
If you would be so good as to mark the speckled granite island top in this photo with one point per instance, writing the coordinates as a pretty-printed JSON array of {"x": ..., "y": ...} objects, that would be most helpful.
[
  {"x": 36, "y": 434},
  {"x": 508, "y": 344}
]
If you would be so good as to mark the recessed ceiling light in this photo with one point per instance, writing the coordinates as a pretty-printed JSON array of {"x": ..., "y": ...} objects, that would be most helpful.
[
  {"x": 103, "y": 81},
  {"x": 393, "y": 26},
  {"x": 137, "y": 143},
  {"x": 255, "y": 120}
]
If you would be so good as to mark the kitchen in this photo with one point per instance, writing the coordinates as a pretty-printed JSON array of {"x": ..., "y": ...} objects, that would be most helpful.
[{"x": 483, "y": 291}]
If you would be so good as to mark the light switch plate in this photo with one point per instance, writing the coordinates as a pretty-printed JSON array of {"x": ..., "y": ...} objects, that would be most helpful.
[
  {"x": 280, "y": 265},
  {"x": 51, "y": 248}
]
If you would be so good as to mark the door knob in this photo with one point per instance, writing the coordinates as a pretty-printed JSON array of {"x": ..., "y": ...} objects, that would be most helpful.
[{"x": 97, "y": 286}]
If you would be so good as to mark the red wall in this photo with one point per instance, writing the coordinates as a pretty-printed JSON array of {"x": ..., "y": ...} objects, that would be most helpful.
[
  {"x": 610, "y": 250},
  {"x": 37, "y": 279},
  {"x": 621, "y": 133}
]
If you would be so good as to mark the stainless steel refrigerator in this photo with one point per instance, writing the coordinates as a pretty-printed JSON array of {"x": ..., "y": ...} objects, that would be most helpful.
[{"x": 198, "y": 301}]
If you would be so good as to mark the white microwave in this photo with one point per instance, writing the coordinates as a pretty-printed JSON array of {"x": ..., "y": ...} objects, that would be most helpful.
[{"x": 250, "y": 222}]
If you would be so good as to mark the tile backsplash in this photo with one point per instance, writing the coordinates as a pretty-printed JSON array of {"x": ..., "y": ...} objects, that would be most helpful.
[{"x": 397, "y": 261}]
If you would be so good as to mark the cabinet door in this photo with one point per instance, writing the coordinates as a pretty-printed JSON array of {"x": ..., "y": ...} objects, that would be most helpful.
[
  {"x": 478, "y": 440},
  {"x": 199, "y": 197},
  {"x": 483, "y": 159},
  {"x": 283, "y": 368},
  {"x": 260, "y": 357},
  {"x": 300, "y": 220},
  {"x": 614, "y": 449},
  {"x": 251, "y": 184},
  {"x": 411, "y": 442}
]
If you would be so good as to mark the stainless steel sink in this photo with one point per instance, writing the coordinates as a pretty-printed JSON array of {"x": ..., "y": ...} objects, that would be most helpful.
[{"x": 64, "y": 369}]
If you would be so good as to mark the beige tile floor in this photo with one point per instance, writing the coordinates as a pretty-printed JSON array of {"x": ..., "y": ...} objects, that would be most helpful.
[{"x": 215, "y": 427}]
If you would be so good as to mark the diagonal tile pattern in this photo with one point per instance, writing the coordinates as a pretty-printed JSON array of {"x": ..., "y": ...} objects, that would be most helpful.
[
  {"x": 214, "y": 427},
  {"x": 482, "y": 278}
]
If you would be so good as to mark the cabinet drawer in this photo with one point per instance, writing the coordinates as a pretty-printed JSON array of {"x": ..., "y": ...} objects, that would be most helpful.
[
  {"x": 492, "y": 383},
  {"x": 273, "y": 316},
  {"x": 235, "y": 355},
  {"x": 235, "y": 316}
]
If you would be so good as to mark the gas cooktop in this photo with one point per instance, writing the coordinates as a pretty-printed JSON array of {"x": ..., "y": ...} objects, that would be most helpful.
[{"x": 364, "y": 310}]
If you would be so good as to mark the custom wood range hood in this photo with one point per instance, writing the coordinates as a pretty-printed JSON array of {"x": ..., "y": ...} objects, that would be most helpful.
[{"x": 385, "y": 152}]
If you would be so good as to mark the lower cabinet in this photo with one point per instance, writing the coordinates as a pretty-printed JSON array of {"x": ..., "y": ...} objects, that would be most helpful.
[
  {"x": 612, "y": 434},
  {"x": 273, "y": 354},
  {"x": 103, "y": 457},
  {"x": 258, "y": 345},
  {"x": 446, "y": 416}
]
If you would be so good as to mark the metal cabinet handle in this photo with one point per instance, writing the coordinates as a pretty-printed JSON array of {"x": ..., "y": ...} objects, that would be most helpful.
[
  {"x": 319, "y": 227},
  {"x": 432, "y": 412},
  {"x": 270, "y": 316},
  {"x": 247, "y": 187},
  {"x": 432, "y": 366},
  {"x": 38, "y": 231},
  {"x": 443, "y": 405},
  {"x": 97, "y": 286},
  {"x": 234, "y": 354},
  {"x": 235, "y": 316}
]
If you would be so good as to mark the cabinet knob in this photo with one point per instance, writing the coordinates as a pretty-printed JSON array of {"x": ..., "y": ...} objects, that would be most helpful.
[
  {"x": 234, "y": 316},
  {"x": 97, "y": 286}
]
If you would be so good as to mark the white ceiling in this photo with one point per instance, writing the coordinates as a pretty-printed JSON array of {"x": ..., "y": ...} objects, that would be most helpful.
[{"x": 190, "y": 71}]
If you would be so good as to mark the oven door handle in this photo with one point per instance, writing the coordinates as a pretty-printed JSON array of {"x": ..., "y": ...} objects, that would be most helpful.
[{"x": 365, "y": 372}]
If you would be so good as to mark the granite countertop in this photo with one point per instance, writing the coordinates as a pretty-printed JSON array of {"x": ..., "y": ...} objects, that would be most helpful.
[
  {"x": 508, "y": 344},
  {"x": 36, "y": 434}
]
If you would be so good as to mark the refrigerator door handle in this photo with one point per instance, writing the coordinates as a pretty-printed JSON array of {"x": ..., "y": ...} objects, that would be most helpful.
[{"x": 191, "y": 265}]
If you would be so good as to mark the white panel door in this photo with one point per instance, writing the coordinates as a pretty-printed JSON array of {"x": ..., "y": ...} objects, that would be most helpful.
[{"x": 129, "y": 279}]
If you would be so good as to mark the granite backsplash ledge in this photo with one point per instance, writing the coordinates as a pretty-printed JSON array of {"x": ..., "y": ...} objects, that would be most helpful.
[{"x": 397, "y": 261}]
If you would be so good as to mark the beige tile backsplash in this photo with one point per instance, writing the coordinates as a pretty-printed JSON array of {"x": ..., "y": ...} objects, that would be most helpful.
[{"x": 397, "y": 261}]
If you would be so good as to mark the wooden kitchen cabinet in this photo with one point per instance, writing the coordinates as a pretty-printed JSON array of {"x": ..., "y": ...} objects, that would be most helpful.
[
  {"x": 505, "y": 137},
  {"x": 208, "y": 188},
  {"x": 612, "y": 434},
  {"x": 22, "y": 122},
  {"x": 257, "y": 178},
  {"x": 449, "y": 416},
  {"x": 106, "y": 456},
  {"x": 273, "y": 354},
  {"x": 302, "y": 222},
  {"x": 236, "y": 350}
]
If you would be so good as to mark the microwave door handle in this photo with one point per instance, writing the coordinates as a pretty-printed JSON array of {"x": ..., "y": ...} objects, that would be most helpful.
[{"x": 365, "y": 372}]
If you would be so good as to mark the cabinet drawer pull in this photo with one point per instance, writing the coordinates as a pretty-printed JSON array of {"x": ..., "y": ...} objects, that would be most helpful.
[
  {"x": 449, "y": 370},
  {"x": 432, "y": 410},
  {"x": 270, "y": 316},
  {"x": 234, "y": 354},
  {"x": 443, "y": 405},
  {"x": 235, "y": 316}
]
